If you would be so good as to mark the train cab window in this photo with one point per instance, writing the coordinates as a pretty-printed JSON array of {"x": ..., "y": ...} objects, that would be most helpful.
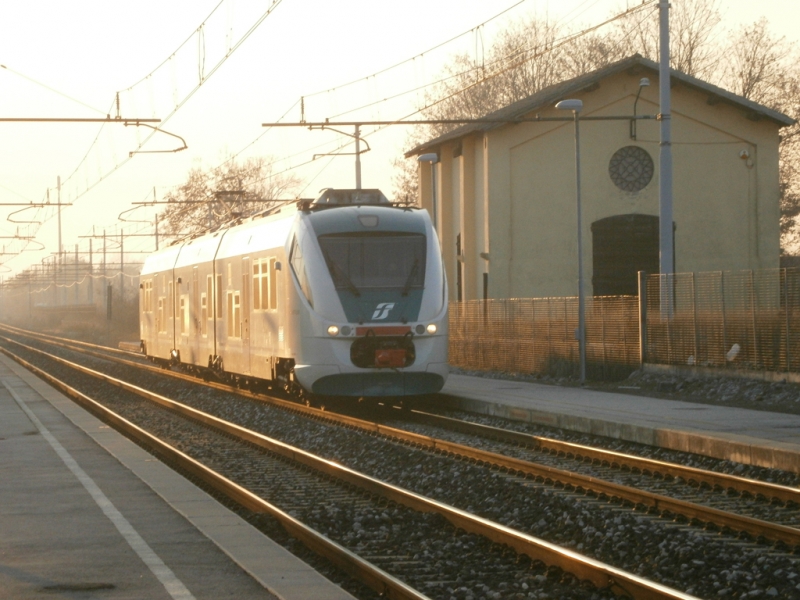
[
  {"x": 299, "y": 268},
  {"x": 375, "y": 261}
]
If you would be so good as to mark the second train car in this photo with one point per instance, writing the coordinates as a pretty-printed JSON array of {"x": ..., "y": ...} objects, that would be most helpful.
[{"x": 345, "y": 295}]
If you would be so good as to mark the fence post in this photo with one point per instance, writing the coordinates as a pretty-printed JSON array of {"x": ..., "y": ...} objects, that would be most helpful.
[
  {"x": 786, "y": 314},
  {"x": 549, "y": 337},
  {"x": 694, "y": 325},
  {"x": 642, "y": 318},
  {"x": 753, "y": 320},
  {"x": 724, "y": 321},
  {"x": 602, "y": 301}
]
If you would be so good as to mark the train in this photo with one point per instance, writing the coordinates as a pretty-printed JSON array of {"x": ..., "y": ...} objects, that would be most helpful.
[{"x": 344, "y": 295}]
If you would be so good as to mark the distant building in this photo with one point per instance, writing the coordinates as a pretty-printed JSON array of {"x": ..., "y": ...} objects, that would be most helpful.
[{"x": 505, "y": 193}]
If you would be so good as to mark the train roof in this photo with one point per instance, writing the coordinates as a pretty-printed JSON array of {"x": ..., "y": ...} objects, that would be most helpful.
[
  {"x": 334, "y": 211},
  {"x": 251, "y": 236},
  {"x": 367, "y": 219}
]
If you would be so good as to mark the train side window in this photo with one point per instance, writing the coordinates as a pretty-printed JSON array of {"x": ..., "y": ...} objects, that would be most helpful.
[
  {"x": 264, "y": 285},
  {"x": 298, "y": 266},
  {"x": 229, "y": 315},
  {"x": 147, "y": 296},
  {"x": 160, "y": 321},
  {"x": 273, "y": 284},
  {"x": 256, "y": 284},
  {"x": 195, "y": 299},
  {"x": 237, "y": 315},
  {"x": 210, "y": 295},
  {"x": 218, "y": 295},
  {"x": 204, "y": 314},
  {"x": 184, "y": 314},
  {"x": 171, "y": 301}
]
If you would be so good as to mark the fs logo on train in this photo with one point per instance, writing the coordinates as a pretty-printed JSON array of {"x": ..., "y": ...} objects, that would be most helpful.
[{"x": 382, "y": 311}]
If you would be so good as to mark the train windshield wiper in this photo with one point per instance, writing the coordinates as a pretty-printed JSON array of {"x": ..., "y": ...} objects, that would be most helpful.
[
  {"x": 340, "y": 274},
  {"x": 411, "y": 276}
]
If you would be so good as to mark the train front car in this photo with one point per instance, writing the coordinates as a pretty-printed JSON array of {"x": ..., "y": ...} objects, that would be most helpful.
[{"x": 373, "y": 295}]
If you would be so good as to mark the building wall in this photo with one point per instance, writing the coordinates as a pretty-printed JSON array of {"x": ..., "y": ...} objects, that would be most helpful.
[{"x": 511, "y": 191}]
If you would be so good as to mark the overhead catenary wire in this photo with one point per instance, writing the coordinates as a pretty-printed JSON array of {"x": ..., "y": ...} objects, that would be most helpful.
[
  {"x": 377, "y": 102},
  {"x": 78, "y": 193},
  {"x": 52, "y": 89},
  {"x": 563, "y": 41}
]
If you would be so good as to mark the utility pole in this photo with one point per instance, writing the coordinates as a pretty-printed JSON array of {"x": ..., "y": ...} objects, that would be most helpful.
[
  {"x": 77, "y": 297},
  {"x": 358, "y": 157},
  {"x": 666, "y": 248},
  {"x": 91, "y": 275},
  {"x": 58, "y": 254},
  {"x": 121, "y": 266}
]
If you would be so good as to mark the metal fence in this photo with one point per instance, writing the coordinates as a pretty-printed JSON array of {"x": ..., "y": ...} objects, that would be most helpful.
[
  {"x": 741, "y": 320},
  {"x": 537, "y": 336},
  {"x": 746, "y": 320}
]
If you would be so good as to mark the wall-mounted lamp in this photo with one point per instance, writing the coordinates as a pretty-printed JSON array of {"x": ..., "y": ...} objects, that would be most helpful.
[{"x": 643, "y": 83}]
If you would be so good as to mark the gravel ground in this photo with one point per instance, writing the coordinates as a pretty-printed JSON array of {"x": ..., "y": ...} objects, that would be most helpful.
[
  {"x": 696, "y": 561},
  {"x": 780, "y": 397}
]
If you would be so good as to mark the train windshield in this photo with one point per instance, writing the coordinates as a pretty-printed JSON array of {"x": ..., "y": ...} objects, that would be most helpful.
[{"x": 376, "y": 260}]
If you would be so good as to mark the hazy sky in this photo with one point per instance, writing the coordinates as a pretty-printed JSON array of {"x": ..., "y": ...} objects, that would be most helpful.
[{"x": 89, "y": 50}]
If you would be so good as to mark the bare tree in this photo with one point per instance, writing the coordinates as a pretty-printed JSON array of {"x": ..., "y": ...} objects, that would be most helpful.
[
  {"x": 694, "y": 28},
  {"x": 534, "y": 54},
  {"x": 755, "y": 63},
  {"x": 763, "y": 68},
  {"x": 210, "y": 197}
]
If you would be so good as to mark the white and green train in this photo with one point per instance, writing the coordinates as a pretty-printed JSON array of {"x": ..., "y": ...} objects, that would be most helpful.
[{"x": 342, "y": 296}]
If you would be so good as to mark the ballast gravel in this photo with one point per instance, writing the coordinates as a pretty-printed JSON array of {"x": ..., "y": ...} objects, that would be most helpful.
[{"x": 701, "y": 563}]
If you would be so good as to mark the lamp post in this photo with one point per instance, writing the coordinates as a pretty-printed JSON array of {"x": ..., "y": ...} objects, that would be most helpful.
[
  {"x": 432, "y": 158},
  {"x": 576, "y": 106}
]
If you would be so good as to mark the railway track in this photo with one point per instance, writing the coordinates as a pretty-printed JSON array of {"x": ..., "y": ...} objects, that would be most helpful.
[
  {"x": 510, "y": 467},
  {"x": 250, "y": 467},
  {"x": 759, "y": 509}
]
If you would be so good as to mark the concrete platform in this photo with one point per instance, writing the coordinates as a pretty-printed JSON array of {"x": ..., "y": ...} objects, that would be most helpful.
[
  {"x": 85, "y": 513},
  {"x": 761, "y": 438}
]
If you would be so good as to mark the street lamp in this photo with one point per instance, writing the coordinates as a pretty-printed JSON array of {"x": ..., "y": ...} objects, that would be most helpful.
[
  {"x": 643, "y": 83},
  {"x": 432, "y": 158},
  {"x": 576, "y": 106}
]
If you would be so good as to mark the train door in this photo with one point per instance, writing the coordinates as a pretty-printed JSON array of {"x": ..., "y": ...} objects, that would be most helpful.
[
  {"x": 194, "y": 320},
  {"x": 245, "y": 315}
]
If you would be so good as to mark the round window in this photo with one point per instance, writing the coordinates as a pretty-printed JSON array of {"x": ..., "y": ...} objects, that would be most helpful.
[{"x": 631, "y": 168}]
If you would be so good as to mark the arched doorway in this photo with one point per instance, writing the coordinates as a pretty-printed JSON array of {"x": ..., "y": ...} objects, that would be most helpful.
[{"x": 622, "y": 245}]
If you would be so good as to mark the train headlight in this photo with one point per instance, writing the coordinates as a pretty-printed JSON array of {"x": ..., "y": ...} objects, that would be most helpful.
[
  {"x": 333, "y": 330},
  {"x": 347, "y": 330},
  {"x": 431, "y": 328},
  {"x": 420, "y": 329}
]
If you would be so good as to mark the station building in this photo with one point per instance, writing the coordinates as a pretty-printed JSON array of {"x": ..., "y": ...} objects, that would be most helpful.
[{"x": 505, "y": 193}]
